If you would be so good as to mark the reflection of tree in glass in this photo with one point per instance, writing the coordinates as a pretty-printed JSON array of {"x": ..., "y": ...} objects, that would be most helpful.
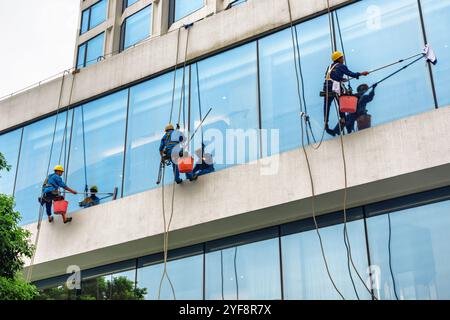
[
  {"x": 120, "y": 288},
  {"x": 58, "y": 293}
]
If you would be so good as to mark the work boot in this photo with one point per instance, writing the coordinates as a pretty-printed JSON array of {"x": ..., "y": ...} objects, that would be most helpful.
[
  {"x": 179, "y": 181},
  {"x": 50, "y": 219},
  {"x": 68, "y": 220},
  {"x": 194, "y": 177}
]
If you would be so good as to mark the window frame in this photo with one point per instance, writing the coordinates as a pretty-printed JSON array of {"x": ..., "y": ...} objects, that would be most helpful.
[
  {"x": 86, "y": 44},
  {"x": 89, "y": 27},
  {"x": 123, "y": 28},
  {"x": 172, "y": 5}
]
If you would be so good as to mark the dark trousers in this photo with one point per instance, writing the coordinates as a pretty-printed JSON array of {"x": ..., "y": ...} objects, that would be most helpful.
[
  {"x": 48, "y": 199},
  {"x": 327, "y": 106},
  {"x": 200, "y": 170}
]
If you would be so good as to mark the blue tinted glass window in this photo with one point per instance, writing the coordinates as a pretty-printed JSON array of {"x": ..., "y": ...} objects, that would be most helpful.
[
  {"x": 9, "y": 147},
  {"x": 279, "y": 98},
  {"x": 186, "y": 7},
  {"x": 33, "y": 163},
  {"x": 101, "y": 139},
  {"x": 81, "y": 56},
  {"x": 93, "y": 16},
  {"x": 185, "y": 274},
  {"x": 419, "y": 261},
  {"x": 130, "y": 2},
  {"x": 98, "y": 14},
  {"x": 250, "y": 271},
  {"x": 117, "y": 286},
  {"x": 138, "y": 27},
  {"x": 85, "y": 21},
  {"x": 395, "y": 24},
  {"x": 94, "y": 49},
  {"x": 150, "y": 104},
  {"x": 304, "y": 272},
  {"x": 227, "y": 83},
  {"x": 437, "y": 23}
]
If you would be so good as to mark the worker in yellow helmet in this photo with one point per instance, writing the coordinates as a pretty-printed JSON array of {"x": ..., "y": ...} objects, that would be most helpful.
[
  {"x": 92, "y": 200},
  {"x": 333, "y": 86},
  {"x": 170, "y": 147},
  {"x": 50, "y": 191}
]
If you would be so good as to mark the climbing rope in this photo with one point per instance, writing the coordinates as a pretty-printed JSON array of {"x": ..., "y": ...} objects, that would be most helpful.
[
  {"x": 390, "y": 257},
  {"x": 346, "y": 237},
  {"x": 167, "y": 225},
  {"x": 41, "y": 207},
  {"x": 166, "y": 237},
  {"x": 307, "y": 159}
]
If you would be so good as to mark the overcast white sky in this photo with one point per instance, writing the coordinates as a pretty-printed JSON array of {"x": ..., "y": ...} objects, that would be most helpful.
[{"x": 37, "y": 40}]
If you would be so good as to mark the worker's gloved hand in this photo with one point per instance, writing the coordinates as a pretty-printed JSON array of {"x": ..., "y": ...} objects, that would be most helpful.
[
  {"x": 374, "y": 86},
  {"x": 365, "y": 73}
]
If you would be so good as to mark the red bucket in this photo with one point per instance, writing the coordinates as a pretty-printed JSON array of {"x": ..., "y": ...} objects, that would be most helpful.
[
  {"x": 186, "y": 164},
  {"x": 60, "y": 206},
  {"x": 348, "y": 103}
]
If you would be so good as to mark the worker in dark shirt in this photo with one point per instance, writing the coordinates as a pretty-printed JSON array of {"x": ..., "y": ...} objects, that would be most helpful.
[
  {"x": 363, "y": 99},
  {"x": 333, "y": 87},
  {"x": 204, "y": 166},
  {"x": 92, "y": 200},
  {"x": 170, "y": 148},
  {"x": 50, "y": 191}
]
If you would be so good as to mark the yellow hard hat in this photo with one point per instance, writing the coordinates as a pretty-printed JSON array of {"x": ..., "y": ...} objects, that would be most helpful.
[
  {"x": 336, "y": 55},
  {"x": 94, "y": 189},
  {"x": 169, "y": 127},
  {"x": 59, "y": 168}
]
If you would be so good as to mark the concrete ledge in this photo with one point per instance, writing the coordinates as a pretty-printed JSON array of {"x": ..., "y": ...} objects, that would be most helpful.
[
  {"x": 157, "y": 55},
  {"x": 395, "y": 159}
]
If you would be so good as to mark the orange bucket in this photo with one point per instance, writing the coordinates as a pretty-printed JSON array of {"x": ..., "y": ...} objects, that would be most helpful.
[
  {"x": 60, "y": 206},
  {"x": 186, "y": 164},
  {"x": 348, "y": 104}
]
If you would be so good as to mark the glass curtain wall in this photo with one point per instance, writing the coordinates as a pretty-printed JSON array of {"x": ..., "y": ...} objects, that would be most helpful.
[
  {"x": 150, "y": 108},
  {"x": 396, "y": 24},
  {"x": 227, "y": 83},
  {"x": 410, "y": 249},
  {"x": 97, "y": 147},
  {"x": 35, "y": 154},
  {"x": 406, "y": 247},
  {"x": 436, "y": 17},
  {"x": 9, "y": 148}
]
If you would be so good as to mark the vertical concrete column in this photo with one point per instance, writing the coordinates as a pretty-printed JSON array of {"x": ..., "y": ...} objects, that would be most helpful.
[
  {"x": 114, "y": 30},
  {"x": 162, "y": 17}
]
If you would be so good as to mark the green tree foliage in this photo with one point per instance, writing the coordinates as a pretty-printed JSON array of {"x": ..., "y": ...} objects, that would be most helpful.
[{"x": 14, "y": 246}]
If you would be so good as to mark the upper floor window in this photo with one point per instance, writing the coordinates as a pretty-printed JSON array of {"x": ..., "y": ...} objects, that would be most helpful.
[
  {"x": 182, "y": 8},
  {"x": 90, "y": 51},
  {"x": 137, "y": 27},
  {"x": 93, "y": 16},
  {"x": 127, "y": 3}
]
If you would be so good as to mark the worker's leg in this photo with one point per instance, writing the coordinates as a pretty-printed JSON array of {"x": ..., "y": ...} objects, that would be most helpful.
[
  {"x": 204, "y": 171},
  {"x": 176, "y": 172},
  {"x": 66, "y": 219},
  {"x": 326, "y": 113}
]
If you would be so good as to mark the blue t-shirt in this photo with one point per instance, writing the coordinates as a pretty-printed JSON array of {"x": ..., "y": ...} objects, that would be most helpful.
[{"x": 54, "y": 182}]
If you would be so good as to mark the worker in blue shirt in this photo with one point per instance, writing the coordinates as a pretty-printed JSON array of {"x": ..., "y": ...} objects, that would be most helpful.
[
  {"x": 333, "y": 87},
  {"x": 204, "y": 166},
  {"x": 50, "y": 191},
  {"x": 92, "y": 200},
  {"x": 363, "y": 99},
  {"x": 170, "y": 148}
]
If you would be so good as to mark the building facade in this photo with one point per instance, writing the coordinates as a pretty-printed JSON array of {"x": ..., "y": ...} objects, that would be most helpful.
[{"x": 246, "y": 231}]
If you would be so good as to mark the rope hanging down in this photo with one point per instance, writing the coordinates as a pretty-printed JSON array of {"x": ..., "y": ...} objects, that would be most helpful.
[
  {"x": 308, "y": 162},
  {"x": 167, "y": 225},
  {"x": 41, "y": 208}
]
